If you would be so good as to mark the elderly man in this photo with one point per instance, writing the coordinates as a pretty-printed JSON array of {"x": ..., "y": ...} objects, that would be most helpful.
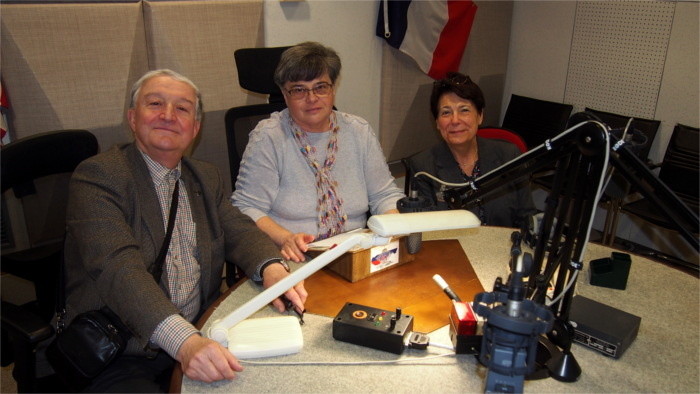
[{"x": 117, "y": 216}]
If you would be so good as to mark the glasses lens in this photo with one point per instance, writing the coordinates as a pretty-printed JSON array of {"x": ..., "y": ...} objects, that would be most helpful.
[
  {"x": 297, "y": 93},
  {"x": 323, "y": 89}
]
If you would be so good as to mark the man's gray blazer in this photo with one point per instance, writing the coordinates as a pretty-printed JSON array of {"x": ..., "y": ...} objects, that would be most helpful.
[{"x": 115, "y": 230}]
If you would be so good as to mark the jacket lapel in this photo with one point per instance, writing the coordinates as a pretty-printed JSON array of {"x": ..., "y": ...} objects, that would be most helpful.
[
  {"x": 195, "y": 194},
  {"x": 151, "y": 216}
]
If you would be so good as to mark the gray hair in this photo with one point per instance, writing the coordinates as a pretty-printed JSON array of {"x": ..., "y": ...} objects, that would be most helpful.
[
  {"x": 307, "y": 61},
  {"x": 164, "y": 72}
]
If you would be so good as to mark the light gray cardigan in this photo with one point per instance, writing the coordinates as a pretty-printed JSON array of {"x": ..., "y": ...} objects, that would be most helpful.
[{"x": 276, "y": 181}]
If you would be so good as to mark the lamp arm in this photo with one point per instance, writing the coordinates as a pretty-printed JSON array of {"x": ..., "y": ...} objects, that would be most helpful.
[
  {"x": 639, "y": 175},
  {"x": 574, "y": 151},
  {"x": 524, "y": 165},
  {"x": 219, "y": 329}
]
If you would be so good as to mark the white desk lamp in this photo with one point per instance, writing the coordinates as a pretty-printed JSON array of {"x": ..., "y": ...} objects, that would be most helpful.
[{"x": 260, "y": 337}]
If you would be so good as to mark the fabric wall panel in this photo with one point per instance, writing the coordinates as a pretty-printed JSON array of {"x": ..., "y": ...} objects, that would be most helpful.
[
  {"x": 69, "y": 65},
  {"x": 197, "y": 39},
  {"x": 407, "y": 126}
]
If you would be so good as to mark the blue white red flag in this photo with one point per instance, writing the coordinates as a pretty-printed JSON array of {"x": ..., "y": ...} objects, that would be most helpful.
[
  {"x": 434, "y": 33},
  {"x": 4, "y": 106}
]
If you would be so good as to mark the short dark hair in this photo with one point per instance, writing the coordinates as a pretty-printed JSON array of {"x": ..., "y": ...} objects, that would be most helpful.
[
  {"x": 307, "y": 61},
  {"x": 459, "y": 84}
]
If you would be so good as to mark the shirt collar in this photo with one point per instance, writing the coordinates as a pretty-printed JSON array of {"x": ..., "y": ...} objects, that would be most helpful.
[{"x": 160, "y": 173}]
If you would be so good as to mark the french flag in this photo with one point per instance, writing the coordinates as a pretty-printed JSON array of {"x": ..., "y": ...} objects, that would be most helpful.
[{"x": 434, "y": 33}]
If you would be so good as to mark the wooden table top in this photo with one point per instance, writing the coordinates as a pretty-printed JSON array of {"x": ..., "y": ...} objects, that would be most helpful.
[{"x": 409, "y": 286}]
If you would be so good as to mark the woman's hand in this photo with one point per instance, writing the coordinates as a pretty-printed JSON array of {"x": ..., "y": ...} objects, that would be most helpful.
[
  {"x": 292, "y": 245},
  {"x": 295, "y": 245}
]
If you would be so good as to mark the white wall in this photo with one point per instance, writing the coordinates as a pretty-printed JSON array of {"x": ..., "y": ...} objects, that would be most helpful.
[
  {"x": 346, "y": 26},
  {"x": 540, "y": 42}
]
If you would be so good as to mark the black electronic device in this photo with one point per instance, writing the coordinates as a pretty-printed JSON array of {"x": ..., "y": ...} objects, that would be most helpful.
[
  {"x": 602, "y": 328},
  {"x": 465, "y": 330},
  {"x": 611, "y": 271},
  {"x": 372, "y": 327}
]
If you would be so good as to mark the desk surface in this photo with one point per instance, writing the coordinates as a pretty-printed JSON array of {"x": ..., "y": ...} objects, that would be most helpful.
[
  {"x": 409, "y": 286},
  {"x": 663, "y": 358}
]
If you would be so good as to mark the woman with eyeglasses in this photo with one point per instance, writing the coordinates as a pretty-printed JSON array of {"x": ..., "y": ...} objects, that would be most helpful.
[
  {"x": 310, "y": 172},
  {"x": 457, "y": 105}
]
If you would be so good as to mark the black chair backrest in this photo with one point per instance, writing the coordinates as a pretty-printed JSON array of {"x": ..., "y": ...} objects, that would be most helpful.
[
  {"x": 256, "y": 68},
  {"x": 679, "y": 169},
  {"x": 648, "y": 127},
  {"x": 23, "y": 163},
  {"x": 44, "y": 154},
  {"x": 240, "y": 121},
  {"x": 536, "y": 120}
]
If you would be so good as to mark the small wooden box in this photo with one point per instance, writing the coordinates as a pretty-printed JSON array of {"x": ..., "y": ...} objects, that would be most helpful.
[{"x": 359, "y": 264}]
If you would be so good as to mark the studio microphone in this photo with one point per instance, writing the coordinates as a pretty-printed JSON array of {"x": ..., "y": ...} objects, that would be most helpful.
[{"x": 413, "y": 203}]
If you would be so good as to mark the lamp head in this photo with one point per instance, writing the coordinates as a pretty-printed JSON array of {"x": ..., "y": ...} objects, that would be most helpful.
[{"x": 388, "y": 225}]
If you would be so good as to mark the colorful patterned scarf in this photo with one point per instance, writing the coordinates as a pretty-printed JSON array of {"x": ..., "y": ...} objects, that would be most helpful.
[{"x": 331, "y": 215}]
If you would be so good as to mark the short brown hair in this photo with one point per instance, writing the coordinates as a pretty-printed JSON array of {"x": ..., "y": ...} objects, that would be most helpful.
[
  {"x": 459, "y": 84},
  {"x": 307, "y": 61}
]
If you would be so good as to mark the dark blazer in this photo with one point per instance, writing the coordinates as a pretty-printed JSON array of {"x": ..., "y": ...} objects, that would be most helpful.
[
  {"x": 506, "y": 206},
  {"x": 115, "y": 230}
]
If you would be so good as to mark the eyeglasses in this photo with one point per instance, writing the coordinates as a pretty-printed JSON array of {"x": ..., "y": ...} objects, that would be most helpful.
[{"x": 320, "y": 90}]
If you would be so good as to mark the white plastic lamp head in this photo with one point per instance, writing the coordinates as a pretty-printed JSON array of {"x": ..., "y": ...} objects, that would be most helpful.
[{"x": 417, "y": 222}]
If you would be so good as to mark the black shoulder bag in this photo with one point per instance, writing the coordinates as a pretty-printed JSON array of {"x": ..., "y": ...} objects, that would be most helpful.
[{"x": 94, "y": 339}]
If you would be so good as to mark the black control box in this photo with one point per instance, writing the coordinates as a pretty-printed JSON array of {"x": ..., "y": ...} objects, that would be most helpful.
[
  {"x": 602, "y": 328},
  {"x": 372, "y": 327}
]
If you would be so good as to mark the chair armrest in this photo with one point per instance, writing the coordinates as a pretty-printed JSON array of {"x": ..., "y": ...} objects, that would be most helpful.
[{"x": 24, "y": 324}]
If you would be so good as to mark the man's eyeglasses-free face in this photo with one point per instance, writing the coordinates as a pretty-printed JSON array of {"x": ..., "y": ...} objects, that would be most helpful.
[{"x": 320, "y": 90}]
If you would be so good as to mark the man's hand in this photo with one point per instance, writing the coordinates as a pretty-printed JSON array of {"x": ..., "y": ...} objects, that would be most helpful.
[
  {"x": 206, "y": 360},
  {"x": 272, "y": 274},
  {"x": 295, "y": 245}
]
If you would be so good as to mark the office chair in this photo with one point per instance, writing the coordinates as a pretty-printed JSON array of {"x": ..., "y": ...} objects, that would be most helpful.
[
  {"x": 679, "y": 171},
  {"x": 256, "y": 68},
  {"x": 503, "y": 134},
  {"x": 535, "y": 120},
  {"x": 35, "y": 174}
]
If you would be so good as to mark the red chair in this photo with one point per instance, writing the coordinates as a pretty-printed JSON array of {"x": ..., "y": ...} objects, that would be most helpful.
[{"x": 503, "y": 134}]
